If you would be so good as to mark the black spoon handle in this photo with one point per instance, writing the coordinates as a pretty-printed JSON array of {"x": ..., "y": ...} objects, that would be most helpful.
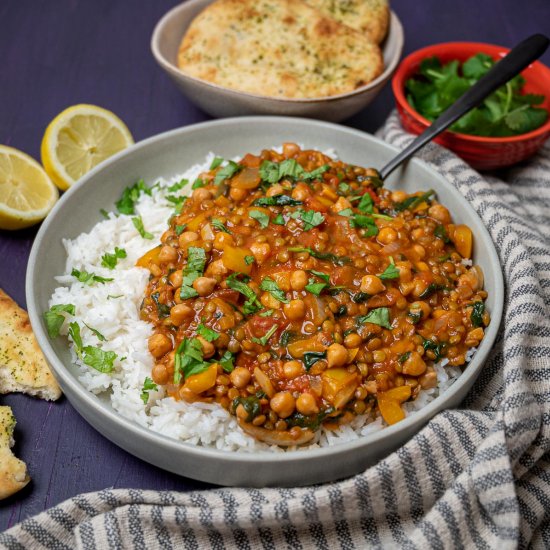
[{"x": 509, "y": 66}]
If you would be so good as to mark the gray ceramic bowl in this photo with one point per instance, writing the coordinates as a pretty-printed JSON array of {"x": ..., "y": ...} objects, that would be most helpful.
[
  {"x": 172, "y": 153},
  {"x": 224, "y": 102}
]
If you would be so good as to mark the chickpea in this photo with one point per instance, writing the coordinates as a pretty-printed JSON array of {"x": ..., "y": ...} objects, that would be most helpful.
[
  {"x": 298, "y": 279},
  {"x": 283, "y": 404},
  {"x": 293, "y": 369},
  {"x": 237, "y": 194},
  {"x": 216, "y": 269},
  {"x": 240, "y": 377},
  {"x": 208, "y": 348},
  {"x": 159, "y": 345},
  {"x": 352, "y": 340},
  {"x": 379, "y": 356},
  {"x": 201, "y": 194},
  {"x": 387, "y": 235},
  {"x": 405, "y": 272},
  {"x": 337, "y": 355},
  {"x": 179, "y": 313},
  {"x": 187, "y": 237},
  {"x": 371, "y": 284},
  {"x": 269, "y": 301},
  {"x": 440, "y": 213},
  {"x": 274, "y": 190},
  {"x": 290, "y": 149},
  {"x": 306, "y": 404},
  {"x": 261, "y": 251},
  {"x": 160, "y": 374},
  {"x": 419, "y": 250},
  {"x": 204, "y": 285},
  {"x": 414, "y": 365},
  {"x": 420, "y": 307},
  {"x": 168, "y": 254},
  {"x": 398, "y": 196},
  {"x": 176, "y": 278},
  {"x": 295, "y": 310}
]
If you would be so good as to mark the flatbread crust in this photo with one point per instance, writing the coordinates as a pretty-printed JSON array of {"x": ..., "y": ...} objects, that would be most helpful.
[
  {"x": 13, "y": 472},
  {"x": 371, "y": 17},
  {"x": 23, "y": 367},
  {"x": 277, "y": 48}
]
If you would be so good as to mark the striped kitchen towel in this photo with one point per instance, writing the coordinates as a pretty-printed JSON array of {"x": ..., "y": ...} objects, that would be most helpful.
[{"x": 476, "y": 477}]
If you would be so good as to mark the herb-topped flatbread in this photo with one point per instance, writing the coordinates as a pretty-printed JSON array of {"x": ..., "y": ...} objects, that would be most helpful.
[
  {"x": 280, "y": 48},
  {"x": 371, "y": 17}
]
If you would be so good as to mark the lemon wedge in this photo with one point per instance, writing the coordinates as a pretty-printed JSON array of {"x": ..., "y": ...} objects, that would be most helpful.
[
  {"x": 78, "y": 139},
  {"x": 26, "y": 192}
]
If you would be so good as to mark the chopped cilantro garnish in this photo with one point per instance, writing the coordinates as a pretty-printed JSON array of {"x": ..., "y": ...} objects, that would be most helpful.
[
  {"x": 315, "y": 288},
  {"x": 198, "y": 183},
  {"x": 219, "y": 225},
  {"x": 249, "y": 260},
  {"x": 177, "y": 186},
  {"x": 94, "y": 357},
  {"x": 252, "y": 304},
  {"x": 148, "y": 385},
  {"x": 104, "y": 213},
  {"x": 391, "y": 272},
  {"x": 110, "y": 260},
  {"x": 441, "y": 233},
  {"x": 272, "y": 172},
  {"x": 207, "y": 333},
  {"x": 321, "y": 275},
  {"x": 311, "y": 357},
  {"x": 130, "y": 196},
  {"x": 266, "y": 313},
  {"x": 180, "y": 229},
  {"x": 310, "y": 218},
  {"x": 226, "y": 172},
  {"x": 89, "y": 278},
  {"x": 189, "y": 359},
  {"x": 100, "y": 336},
  {"x": 412, "y": 202},
  {"x": 196, "y": 260},
  {"x": 163, "y": 310},
  {"x": 379, "y": 316},
  {"x": 177, "y": 200},
  {"x": 279, "y": 219},
  {"x": 277, "y": 200},
  {"x": 54, "y": 320},
  {"x": 217, "y": 161},
  {"x": 338, "y": 260},
  {"x": 138, "y": 224},
  {"x": 265, "y": 338},
  {"x": 366, "y": 204},
  {"x": 477, "y": 314},
  {"x": 343, "y": 188},
  {"x": 261, "y": 217},
  {"x": 269, "y": 285},
  {"x": 226, "y": 361},
  {"x": 436, "y": 348}
]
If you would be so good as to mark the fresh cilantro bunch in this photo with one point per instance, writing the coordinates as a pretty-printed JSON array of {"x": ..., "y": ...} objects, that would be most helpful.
[{"x": 506, "y": 112}]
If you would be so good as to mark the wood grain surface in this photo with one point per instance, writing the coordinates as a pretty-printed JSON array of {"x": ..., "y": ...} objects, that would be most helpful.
[{"x": 55, "y": 53}]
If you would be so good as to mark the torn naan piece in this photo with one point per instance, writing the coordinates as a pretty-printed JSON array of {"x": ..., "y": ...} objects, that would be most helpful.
[
  {"x": 23, "y": 367},
  {"x": 277, "y": 48}
]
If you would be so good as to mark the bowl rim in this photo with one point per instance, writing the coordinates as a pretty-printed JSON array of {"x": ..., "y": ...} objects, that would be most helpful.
[
  {"x": 386, "y": 74},
  {"x": 102, "y": 409},
  {"x": 398, "y": 87}
]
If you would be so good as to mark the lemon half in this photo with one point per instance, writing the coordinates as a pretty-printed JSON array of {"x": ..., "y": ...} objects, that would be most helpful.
[
  {"x": 78, "y": 139},
  {"x": 26, "y": 192}
]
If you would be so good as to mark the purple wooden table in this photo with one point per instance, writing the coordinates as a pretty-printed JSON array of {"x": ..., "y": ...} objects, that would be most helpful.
[{"x": 56, "y": 54}]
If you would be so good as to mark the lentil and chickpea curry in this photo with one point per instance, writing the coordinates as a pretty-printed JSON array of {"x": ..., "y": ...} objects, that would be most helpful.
[{"x": 295, "y": 290}]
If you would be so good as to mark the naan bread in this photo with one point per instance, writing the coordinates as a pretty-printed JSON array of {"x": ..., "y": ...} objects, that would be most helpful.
[
  {"x": 279, "y": 48},
  {"x": 371, "y": 17},
  {"x": 23, "y": 368},
  {"x": 13, "y": 472}
]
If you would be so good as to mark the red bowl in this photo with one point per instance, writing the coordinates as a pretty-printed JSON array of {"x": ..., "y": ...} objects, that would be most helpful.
[{"x": 483, "y": 153}]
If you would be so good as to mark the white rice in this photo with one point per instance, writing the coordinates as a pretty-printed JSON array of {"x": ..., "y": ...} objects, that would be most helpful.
[{"x": 113, "y": 310}]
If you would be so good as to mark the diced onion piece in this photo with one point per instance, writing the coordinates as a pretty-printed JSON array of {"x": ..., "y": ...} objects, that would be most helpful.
[
  {"x": 233, "y": 258},
  {"x": 264, "y": 382},
  {"x": 198, "y": 383},
  {"x": 247, "y": 178}
]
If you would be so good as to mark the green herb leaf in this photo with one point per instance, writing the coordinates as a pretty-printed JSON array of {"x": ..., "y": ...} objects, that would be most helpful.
[
  {"x": 277, "y": 200},
  {"x": 412, "y": 202},
  {"x": 198, "y": 183},
  {"x": 272, "y": 172},
  {"x": 343, "y": 188},
  {"x": 219, "y": 225},
  {"x": 98, "y": 359},
  {"x": 265, "y": 338},
  {"x": 100, "y": 336},
  {"x": 346, "y": 213},
  {"x": 260, "y": 217},
  {"x": 217, "y": 161},
  {"x": 285, "y": 338},
  {"x": 110, "y": 260},
  {"x": 321, "y": 275},
  {"x": 163, "y": 310},
  {"x": 114, "y": 297},
  {"x": 207, "y": 333},
  {"x": 404, "y": 357},
  {"x": 430, "y": 289},
  {"x": 315, "y": 288},
  {"x": 74, "y": 334},
  {"x": 379, "y": 316},
  {"x": 189, "y": 359},
  {"x": 226, "y": 172},
  {"x": 252, "y": 304},
  {"x": 338, "y": 260},
  {"x": 54, "y": 320},
  {"x": 148, "y": 385},
  {"x": 177, "y": 200},
  {"x": 249, "y": 260},
  {"x": 130, "y": 196},
  {"x": 311, "y": 357},
  {"x": 441, "y": 233},
  {"x": 250, "y": 404},
  {"x": 89, "y": 278},
  {"x": 415, "y": 315},
  {"x": 435, "y": 347},
  {"x": 366, "y": 204},
  {"x": 196, "y": 259},
  {"x": 266, "y": 313},
  {"x": 477, "y": 314},
  {"x": 226, "y": 361},
  {"x": 177, "y": 186},
  {"x": 310, "y": 218},
  {"x": 278, "y": 219},
  {"x": 180, "y": 229},
  {"x": 138, "y": 224},
  {"x": 104, "y": 213},
  {"x": 269, "y": 285},
  {"x": 391, "y": 272},
  {"x": 364, "y": 222}
]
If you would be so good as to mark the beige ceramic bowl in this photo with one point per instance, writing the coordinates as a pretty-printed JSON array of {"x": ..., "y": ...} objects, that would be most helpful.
[{"x": 224, "y": 102}]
